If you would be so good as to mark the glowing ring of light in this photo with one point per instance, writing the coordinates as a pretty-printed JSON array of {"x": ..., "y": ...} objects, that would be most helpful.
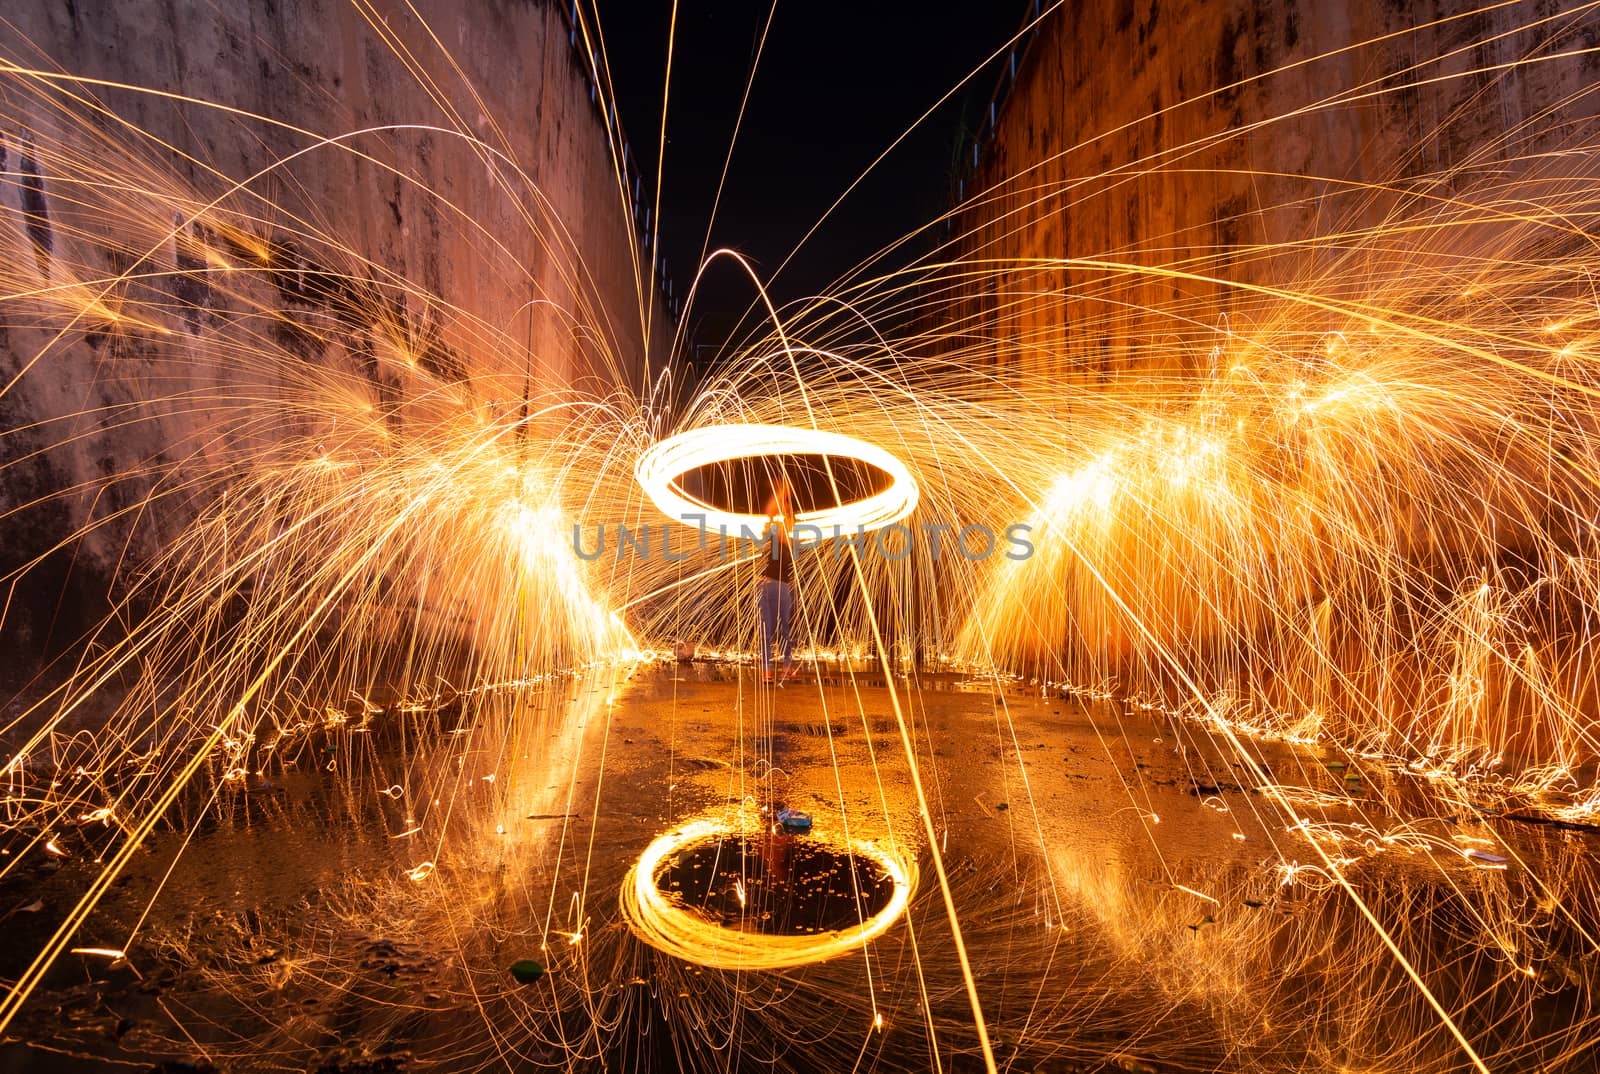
[
  {"x": 660, "y": 467},
  {"x": 678, "y": 932}
]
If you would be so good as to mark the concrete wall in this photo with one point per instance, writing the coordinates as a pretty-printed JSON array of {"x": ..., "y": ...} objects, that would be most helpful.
[
  {"x": 479, "y": 255},
  {"x": 1205, "y": 134}
]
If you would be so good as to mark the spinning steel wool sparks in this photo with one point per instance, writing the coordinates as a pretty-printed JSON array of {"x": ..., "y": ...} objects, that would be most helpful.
[
  {"x": 660, "y": 468},
  {"x": 1278, "y": 751}
]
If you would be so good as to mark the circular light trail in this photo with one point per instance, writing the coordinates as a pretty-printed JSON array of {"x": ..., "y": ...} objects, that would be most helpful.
[
  {"x": 669, "y": 927},
  {"x": 659, "y": 468}
]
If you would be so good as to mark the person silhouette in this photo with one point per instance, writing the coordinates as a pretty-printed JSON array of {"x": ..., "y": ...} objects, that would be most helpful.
[{"x": 775, "y": 595}]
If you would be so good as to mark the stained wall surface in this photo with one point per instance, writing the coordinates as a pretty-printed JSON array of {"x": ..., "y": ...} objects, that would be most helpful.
[
  {"x": 1239, "y": 142},
  {"x": 206, "y": 201}
]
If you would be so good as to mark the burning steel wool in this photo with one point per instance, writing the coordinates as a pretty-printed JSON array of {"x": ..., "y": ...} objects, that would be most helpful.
[{"x": 1195, "y": 644}]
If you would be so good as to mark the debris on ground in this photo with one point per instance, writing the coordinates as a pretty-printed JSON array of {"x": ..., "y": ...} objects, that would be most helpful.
[
  {"x": 526, "y": 971},
  {"x": 792, "y": 820}
]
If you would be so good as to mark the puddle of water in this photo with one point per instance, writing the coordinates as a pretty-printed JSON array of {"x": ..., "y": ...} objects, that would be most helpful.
[
  {"x": 776, "y": 883},
  {"x": 366, "y": 902}
]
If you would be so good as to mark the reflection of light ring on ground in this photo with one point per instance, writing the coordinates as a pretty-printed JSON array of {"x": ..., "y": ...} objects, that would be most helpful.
[
  {"x": 671, "y": 928},
  {"x": 659, "y": 468}
]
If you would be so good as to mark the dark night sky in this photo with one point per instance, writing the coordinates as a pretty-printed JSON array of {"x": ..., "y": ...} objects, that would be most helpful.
[{"x": 835, "y": 86}]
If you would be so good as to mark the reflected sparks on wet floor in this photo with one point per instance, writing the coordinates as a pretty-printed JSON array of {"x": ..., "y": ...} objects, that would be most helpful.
[
  {"x": 1130, "y": 895},
  {"x": 742, "y": 892}
]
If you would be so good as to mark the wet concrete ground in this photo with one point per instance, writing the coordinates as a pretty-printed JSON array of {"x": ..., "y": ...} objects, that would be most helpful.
[{"x": 1130, "y": 897}]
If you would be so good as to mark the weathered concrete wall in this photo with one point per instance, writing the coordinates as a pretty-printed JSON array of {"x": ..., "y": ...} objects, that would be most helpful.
[
  {"x": 464, "y": 239},
  {"x": 1207, "y": 134}
]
